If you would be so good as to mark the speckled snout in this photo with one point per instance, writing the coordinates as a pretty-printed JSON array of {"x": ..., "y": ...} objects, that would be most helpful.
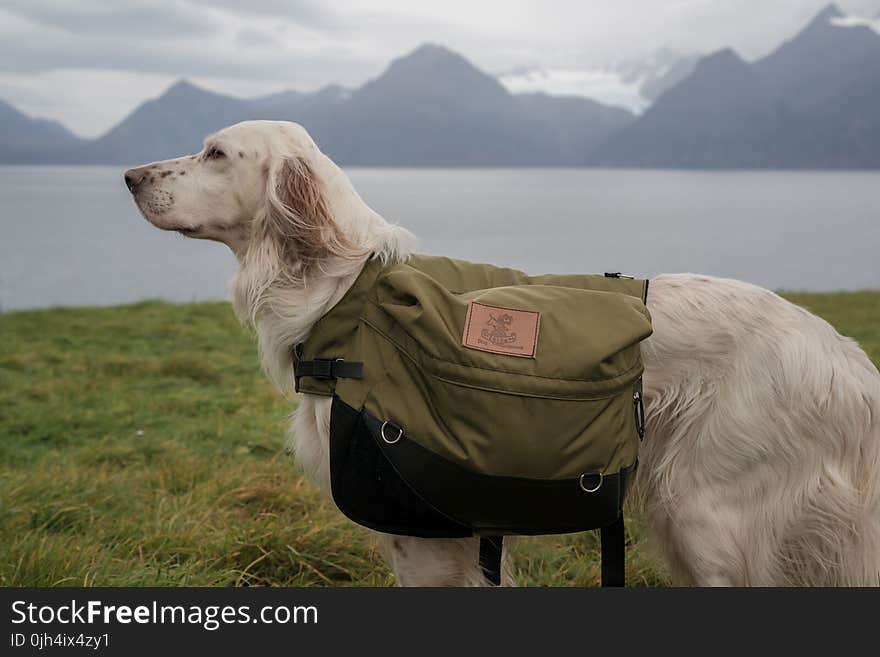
[
  {"x": 149, "y": 173},
  {"x": 145, "y": 184}
]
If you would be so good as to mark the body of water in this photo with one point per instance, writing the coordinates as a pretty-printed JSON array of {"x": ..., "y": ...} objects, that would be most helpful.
[{"x": 72, "y": 236}]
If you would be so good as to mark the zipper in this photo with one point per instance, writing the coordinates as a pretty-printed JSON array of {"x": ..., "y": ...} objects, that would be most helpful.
[{"x": 617, "y": 274}]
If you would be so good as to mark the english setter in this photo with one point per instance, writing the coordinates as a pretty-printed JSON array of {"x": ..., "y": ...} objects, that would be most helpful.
[{"x": 761, "y": 463}]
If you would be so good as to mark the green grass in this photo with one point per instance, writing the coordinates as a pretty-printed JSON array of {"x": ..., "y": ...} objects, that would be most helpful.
[{"x": 140, "y": 445}]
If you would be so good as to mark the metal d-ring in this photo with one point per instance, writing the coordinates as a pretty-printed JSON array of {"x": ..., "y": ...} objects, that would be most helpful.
[
  {"x": 584, "y": 488},
  {"x": 385, "y": 438}
]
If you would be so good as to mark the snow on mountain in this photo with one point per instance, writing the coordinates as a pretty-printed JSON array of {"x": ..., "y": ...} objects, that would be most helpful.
[
  {"x": 605, "y": 86},
  {"x": 853, "y": 21},
  {"x": 632, "y": 83}
]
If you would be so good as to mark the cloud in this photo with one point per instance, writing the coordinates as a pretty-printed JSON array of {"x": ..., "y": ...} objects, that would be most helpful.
[
  {"x": 87, "y": 101},
  {"x": 294, "y": 58},
  {"x": 302, "y": 12},
  {"x": 106, "y": 17},
  {"x": 252, "y": 37}
]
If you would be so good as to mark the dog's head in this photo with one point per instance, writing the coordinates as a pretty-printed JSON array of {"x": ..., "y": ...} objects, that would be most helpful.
[{"x": 254, "y": 185}]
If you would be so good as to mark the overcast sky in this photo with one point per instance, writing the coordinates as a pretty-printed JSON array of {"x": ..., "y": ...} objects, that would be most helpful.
[{"x": 87, "y": 63}]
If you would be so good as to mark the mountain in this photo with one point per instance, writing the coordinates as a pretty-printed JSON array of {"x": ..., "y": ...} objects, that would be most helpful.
[
  {"x": 717, "y": 116},
  {"x": 431, "y": 107},
  {"x": 832, "y": 105},
  {"x": 283, "y": 105},
  {"x": 25, "y": 140},
  {"x": 433, "y": 75},
  {"x": 814, "y": 102},
  {"x": 574, "y": 126},
  {"x": 656, "y": 72},
  {"x": 170, "y": 125},
  {"x": 822, "y": 60},
  {"x": 662, "y": 80}
]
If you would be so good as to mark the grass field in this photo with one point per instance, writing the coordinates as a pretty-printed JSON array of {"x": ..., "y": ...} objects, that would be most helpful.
[{"x": 140, "y": 445}]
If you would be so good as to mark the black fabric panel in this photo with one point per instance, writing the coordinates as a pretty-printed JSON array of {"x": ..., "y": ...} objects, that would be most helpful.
[
  {"x": 502, "y": 505},
  {"x": 368, "y": 489},
  {"x": 403, "y": 488}
]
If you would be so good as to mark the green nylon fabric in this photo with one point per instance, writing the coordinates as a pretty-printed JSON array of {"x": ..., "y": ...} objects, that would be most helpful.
[{"x": 567, "y": 411}]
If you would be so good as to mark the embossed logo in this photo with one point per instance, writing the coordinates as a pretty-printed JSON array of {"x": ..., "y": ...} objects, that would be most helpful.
[{"x": 501, "y": 330}]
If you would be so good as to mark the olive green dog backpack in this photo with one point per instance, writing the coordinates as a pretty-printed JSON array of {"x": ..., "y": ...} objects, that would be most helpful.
[{"x": 471, "y": 400}]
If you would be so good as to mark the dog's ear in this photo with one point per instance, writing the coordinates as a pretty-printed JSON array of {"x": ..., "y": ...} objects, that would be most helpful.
[{"x": 298, "y": 218}]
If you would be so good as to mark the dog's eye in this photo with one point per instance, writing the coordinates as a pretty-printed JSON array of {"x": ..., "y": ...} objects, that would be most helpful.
[{"x": 214, "y": 153}]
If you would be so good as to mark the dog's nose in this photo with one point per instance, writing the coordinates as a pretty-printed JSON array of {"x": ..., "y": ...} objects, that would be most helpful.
[{"x": 133, "y": 178}]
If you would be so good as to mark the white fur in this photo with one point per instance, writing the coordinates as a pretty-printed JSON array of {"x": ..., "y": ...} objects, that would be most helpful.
[{"x": 761, "y": 462}]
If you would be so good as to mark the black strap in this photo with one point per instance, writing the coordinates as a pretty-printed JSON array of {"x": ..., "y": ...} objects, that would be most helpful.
[
  {"x": 490, "y": 558},
  {"x": 328, "y": 368},
  {"x": 613, "y": 539},
  {"x": 613, "y": 553}
]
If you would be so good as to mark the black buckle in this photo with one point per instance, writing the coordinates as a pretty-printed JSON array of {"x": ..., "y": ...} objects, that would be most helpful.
[{"x": 322, "y": 368}]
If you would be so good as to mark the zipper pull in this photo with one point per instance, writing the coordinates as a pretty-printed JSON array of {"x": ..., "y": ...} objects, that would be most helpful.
[
  {"x": 639, "y": 410},
  {"x": 616, "y": 274}
]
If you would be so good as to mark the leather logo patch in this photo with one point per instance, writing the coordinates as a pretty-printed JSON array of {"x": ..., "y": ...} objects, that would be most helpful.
[{"x": 501, "y": 330}]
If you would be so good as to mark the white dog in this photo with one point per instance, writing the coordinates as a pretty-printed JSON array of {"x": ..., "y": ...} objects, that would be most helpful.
[{"x": 761, "y": 464}]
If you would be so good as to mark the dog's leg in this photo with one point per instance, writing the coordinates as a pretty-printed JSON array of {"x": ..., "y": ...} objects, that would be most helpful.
[
  {"x": 708, "y": 544},
  {"x": 810, "y": 530},
  {"x": 833, "y": 538},
  {"x": 436, "y": 561}
]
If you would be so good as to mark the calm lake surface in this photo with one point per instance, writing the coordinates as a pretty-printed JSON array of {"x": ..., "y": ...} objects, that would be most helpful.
[{"x": 71, "y": 236}]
